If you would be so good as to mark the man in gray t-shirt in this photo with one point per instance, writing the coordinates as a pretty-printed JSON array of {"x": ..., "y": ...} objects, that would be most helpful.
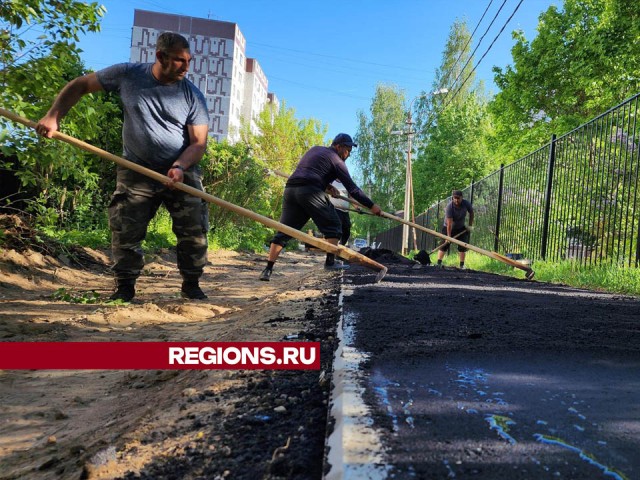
[
  {"x": 155, "y": 113},
  {"x": 454, "y": 216},
  {"x": 165, "y": 129}
]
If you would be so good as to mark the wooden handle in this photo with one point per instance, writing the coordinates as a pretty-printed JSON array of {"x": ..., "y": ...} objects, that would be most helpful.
[
  {"x": 529, "y": 273},
  {"x": 496, "y": 256},
  {"x": 444, "y": 243},
  {"x": 338, "y": 250}
]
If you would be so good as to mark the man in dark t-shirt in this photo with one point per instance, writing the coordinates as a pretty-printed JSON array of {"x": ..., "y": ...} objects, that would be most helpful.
[
  {"x": 454, "y": 216},
  {"x": 305, "y": 197}
]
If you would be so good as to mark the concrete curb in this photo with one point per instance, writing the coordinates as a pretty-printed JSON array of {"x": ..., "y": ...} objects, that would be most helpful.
[{"x": 353, "y": 450}]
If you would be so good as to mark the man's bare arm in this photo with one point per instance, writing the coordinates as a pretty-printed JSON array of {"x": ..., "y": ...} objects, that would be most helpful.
[
  {"x": 198, "y": 135},
  {"x": 70, "y": 94}
]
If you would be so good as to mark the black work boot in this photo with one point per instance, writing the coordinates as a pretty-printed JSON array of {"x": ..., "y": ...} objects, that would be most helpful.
[
  {"x": 330, "y": 260},
  {"x": 265, "y": 276},
  {"x": 336, "y": 266},
  {"x": 124, "y": 292},
  {"x": 191, "y": 289}
]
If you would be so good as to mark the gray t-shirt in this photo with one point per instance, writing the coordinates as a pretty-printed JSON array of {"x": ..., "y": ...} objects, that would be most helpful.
[
  {"x": 154, "y": 133},
  {"x": 457, "y": 213}
]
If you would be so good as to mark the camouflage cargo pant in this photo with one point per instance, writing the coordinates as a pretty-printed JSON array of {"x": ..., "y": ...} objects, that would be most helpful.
[{"x": 135, "y": 202}]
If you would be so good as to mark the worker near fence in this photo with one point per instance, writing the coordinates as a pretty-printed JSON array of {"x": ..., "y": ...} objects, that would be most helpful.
[
  {"x": 305, "y": 198},
  {"x": 454, "y": 218},
  {"x": 165, "y": 129}
]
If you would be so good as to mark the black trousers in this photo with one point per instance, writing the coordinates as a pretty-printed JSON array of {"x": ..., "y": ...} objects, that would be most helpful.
[
  {"x": 463, "y": 238},
  {"x": 345, "y": 221},
  {"x": 302, "y": 203}
]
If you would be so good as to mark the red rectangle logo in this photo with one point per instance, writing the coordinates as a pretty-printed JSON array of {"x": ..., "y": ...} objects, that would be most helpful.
[{"x": 159, "y": 355}]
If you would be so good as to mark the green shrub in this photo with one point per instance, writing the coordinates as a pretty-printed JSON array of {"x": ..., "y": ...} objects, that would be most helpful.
[{"x": 96, "y": 238}]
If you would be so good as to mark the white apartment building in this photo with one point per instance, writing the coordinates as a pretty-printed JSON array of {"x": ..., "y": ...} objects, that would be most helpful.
[
  {"x": 235, "y": 87},
  {"x": 255, "y": 91}
]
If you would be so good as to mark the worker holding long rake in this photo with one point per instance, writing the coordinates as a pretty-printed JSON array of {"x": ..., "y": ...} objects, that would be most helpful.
[
  {"x": 165, "y": 130},
  {"x": 454, "y": 216},
  {"x": 305, "y": 198}
]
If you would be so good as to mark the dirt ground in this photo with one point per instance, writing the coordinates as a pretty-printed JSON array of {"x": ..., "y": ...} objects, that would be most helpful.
[{"x": 165, "y": 424}]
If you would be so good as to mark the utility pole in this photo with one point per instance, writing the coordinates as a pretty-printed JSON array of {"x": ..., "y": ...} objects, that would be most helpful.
[{"x": 408, "y": 186}]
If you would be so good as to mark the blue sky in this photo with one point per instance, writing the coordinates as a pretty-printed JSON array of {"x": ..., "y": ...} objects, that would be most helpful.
[{"x": 325, "y": 58}]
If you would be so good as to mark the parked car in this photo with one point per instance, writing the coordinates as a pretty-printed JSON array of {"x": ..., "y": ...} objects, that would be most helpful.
[{"x": 360, "y": 243}]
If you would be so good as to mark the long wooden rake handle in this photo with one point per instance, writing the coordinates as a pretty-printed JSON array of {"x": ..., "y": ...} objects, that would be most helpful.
[
  {"x": 444, "y": 243},
  {"x": 529, "y": 273},
  {"x": 338, "y": 250}
]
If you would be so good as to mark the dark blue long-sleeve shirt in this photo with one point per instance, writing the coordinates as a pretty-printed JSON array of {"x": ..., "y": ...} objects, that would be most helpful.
[{"x": 322, "y": 165}]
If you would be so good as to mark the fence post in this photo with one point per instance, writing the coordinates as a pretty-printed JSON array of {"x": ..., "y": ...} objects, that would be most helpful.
[
  {"x": 499, "y": 212},
  {"x": 438, "y": 224},
  {"x": 547, "y": 197},
  {"x": 638, "y": 248}
]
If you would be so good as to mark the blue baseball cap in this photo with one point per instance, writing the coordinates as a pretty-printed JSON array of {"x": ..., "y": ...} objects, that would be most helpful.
[{"x": 344, "y": 139}]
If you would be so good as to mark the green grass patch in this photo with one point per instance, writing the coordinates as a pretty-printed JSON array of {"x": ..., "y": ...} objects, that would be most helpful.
[
  {"x": 608, "y": 278},
  {"x": 159, "y": 235},
  {"x": 84, "y": 297},
  {"x": 97, "y": 238},
  {"x": 251, "y": 237}
]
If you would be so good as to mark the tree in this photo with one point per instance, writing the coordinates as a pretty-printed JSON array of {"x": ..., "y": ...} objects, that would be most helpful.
[
  {"x": 231, "y": 173},
  {"x": 240, "y": 173},
  {"x": 451, "y": 128},
  {"x": 455, "y": 74},
  {"x": 60, "y": 178},
  {"x": 380, "y": 155},
  {"x": 281, "y": 141},
  {"x": 455, "y": 155},
  {"x": 60, "y": 23},
  {"x": 584, "y": 60}
]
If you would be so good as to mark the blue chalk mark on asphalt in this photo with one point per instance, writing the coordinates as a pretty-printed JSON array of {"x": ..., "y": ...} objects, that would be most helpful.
[
  {"x": 501, "y": 424},
  {"x": 583, "y": 455},
  {"x": 384, "y": 397}
]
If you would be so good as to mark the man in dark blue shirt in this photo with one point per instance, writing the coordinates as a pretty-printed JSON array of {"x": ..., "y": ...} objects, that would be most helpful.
[
  {"x": 305, "y": 197},
  {"x": 454, "y": 216}
]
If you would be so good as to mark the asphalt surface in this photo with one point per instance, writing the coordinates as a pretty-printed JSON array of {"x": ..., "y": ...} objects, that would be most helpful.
[{"x": 444, "y": 373}]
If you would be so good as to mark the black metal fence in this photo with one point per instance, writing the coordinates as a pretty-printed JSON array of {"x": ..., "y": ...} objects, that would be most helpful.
[{"x": 575, "y": 198}]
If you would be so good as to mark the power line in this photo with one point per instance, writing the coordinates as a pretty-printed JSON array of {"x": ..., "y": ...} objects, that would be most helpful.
[
  {"x": 446, "y": 103},
  {"x": 367, "y": 74},
  {"x": 475, "y": 49},
  {"x": 349, "y": 60},
  {"x": 446, "y": 77},
  {"x": 452, "y": 68},
  {"x": 483, "y": 55},
  {"x": 333, "y": 57},
  {"x": 311, "y": 87}
]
